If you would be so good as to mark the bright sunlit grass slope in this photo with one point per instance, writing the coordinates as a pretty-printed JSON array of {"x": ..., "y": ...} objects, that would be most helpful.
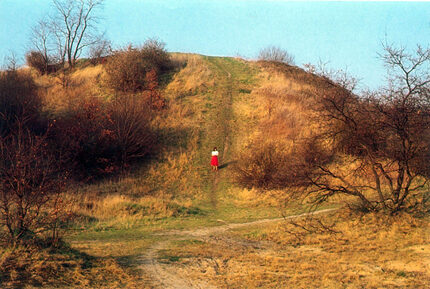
[{"x": 213, "y": 101}]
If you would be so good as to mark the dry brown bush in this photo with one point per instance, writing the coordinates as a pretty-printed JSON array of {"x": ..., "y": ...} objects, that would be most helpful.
[
  {"x": 30, "y": 183},
  {"x": 31, "y": 178},
  {"x": 37, "y": 61},
  {"x": 131, "y": 137},
  {"x": 19, "y": 101},
  {"x": 126, "y": 69},
  {"x": 98, "y": 138}
]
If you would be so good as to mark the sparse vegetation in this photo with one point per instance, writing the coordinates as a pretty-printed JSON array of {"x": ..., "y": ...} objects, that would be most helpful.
[
  {"x": 44, "y": 266},
  {"x": 99, "y": 51},
  {"x": 276, "y": 54}
]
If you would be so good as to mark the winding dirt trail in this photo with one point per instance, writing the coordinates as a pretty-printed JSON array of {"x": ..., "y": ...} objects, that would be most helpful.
[{"x": 165, "y": 275}]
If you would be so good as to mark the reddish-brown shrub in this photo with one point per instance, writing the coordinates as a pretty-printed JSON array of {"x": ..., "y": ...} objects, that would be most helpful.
[
  {"x": 155, "y": 99},
  {"x": 99, "y": 138},
  {"x": 128, "y": 130},
  {"x": 37, "y": 61},
  {"x": 19, "y": 101},
  {"x": 30, "y": 183},
  {"x": 78, "y": 134},
  {"x": 127, "y": 68}
]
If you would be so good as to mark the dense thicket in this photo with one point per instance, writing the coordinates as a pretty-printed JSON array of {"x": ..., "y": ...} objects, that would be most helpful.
[
  {"x": 98, "y": 138},
  {"x": 127, "y": 68},
  {"x": 19, "y": 102},
  {"x": 30, "y": 178}
]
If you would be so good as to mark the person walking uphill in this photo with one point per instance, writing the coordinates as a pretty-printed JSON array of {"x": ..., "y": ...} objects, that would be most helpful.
[{"x": 214, "y": 159}]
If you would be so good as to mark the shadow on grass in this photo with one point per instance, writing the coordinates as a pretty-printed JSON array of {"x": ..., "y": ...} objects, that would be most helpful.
[{"x": 225, "y": 165}]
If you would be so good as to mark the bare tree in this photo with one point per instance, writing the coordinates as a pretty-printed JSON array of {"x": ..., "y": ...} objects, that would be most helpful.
[
  {"x": 339, "y": 76},
  {"x": 100, "y": 50},
  {"x": 277, "y": 54},
  {"x": 376, "y": 147},
  {"x": 42, "y": 44},
  {"x": 74, "y": 27}
]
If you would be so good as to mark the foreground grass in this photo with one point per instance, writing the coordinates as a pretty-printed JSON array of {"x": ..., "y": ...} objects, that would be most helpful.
[
  {"x": 368, "y": 251},
  {"x": 35, "y": 266}
]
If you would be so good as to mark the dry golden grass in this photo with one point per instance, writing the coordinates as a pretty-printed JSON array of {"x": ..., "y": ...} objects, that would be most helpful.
[
  {"x": 81, "y": 84},
  {"x": 195, "y": 77},
  {"x": 34, "y": 267},
  {"x": 277, "y": 109},
  {"x": 372, "y": 251},
  {"x": 125, "y": 212}
]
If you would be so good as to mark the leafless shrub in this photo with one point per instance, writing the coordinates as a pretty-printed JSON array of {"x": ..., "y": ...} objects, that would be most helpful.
[
  {"x": 30, "y": 185},
  {"x": 340, "y": 77},
  {"x": 131, "y": 137},
  {"x": 97, "y": 138},
  {"x": 268, "y": 166},
  {"x": 99, "y": 51},
  {"x": 276, "y": 54},
  {"x": 37, "y": 61}
]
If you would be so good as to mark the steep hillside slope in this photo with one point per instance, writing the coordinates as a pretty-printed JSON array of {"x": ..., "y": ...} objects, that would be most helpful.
[
  {"x": 172, "y": 222},
  {"x": 229, "y": 103}
]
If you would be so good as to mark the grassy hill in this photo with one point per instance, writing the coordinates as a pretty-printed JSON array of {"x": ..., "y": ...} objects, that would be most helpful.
[{"x": 232, "y": 104}]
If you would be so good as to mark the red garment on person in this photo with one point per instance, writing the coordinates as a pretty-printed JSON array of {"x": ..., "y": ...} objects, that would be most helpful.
[{"x": 214, "y": 161}]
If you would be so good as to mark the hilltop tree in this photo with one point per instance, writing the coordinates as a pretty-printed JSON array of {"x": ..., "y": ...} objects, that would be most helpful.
[
  {"x": 41, "y": 40},
  {"x": 74, "y": 27},
  {"x": 100, "y": 50}
]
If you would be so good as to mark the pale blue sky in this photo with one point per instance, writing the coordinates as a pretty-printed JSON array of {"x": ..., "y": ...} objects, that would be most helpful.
[{"x": 347, "y": 34}]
